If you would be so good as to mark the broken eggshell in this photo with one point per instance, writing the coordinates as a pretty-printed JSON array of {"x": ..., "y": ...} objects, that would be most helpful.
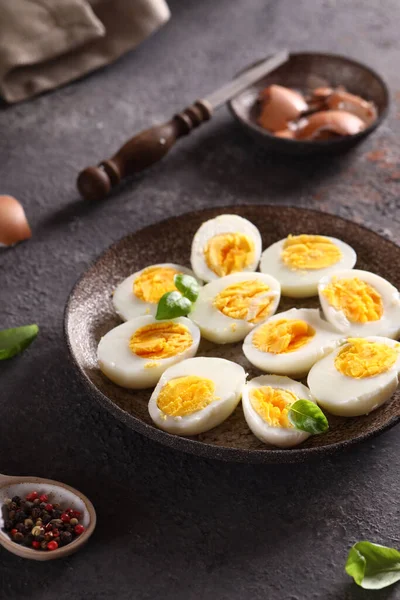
[
  {"x": 279, "y": 105},
  {"x": 336, "y": 121},
  {"x": 14, "y": 226},
  {"x": 342, "y": 100}
]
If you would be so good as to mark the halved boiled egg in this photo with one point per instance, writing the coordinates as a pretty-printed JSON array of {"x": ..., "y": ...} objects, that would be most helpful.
[
  {"x": 196, "y": 395},
  {"x": 289, "y": 343},
  {"x": 229, "y": 307},
  {"x": 135, "y": 354},
  {"x": 138, "y": 294},
  {"x": 360, "y": 303},
  {"x": 299, "y": 261},
  {"x": 224, "y": 245},
  {"x": 266, "y": 403},
  {"x": 358, "y": 377}
]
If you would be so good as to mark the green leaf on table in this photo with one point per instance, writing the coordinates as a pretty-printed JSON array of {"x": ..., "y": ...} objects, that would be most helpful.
[
  {"x": 187, "y": 285},
  {"x": 307, "y": 416},
  {"x": 373, "y": 566},
  {"x": 13, "y": 341},
  {"x": 173, "y": 305}
]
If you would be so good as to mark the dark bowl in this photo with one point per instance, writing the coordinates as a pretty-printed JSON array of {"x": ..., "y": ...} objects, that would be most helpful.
[
  {"x": 300, "y": 72},
  {"x": 89, "y": 315}
]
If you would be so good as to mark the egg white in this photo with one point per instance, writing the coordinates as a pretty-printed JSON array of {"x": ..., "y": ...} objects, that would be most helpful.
[
  {"x": 127, "y": 305},
  {"x": 349, "y": 397},
  {"x": 129, "y": 370},
  {"x": 215, "y": 325},
  {"x": 298, "y": 362},
  {"x": 387, "y": 326},
  {"x": 229, "y": 379},
  {"x": 302, "y": 283},
  {"x": 219, "y": 225},
  {"x": 283, "y": 437}
]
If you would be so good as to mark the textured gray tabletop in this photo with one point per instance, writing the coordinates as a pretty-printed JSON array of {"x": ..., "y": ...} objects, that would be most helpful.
[{"x": 173, "y": 526}]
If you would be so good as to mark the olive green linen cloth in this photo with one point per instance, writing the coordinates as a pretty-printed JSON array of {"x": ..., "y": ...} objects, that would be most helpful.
[{"x": 47, "y": 43}]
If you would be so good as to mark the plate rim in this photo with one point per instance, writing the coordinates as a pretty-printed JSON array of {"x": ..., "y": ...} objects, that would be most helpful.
[{"x": 194, "y": 446}]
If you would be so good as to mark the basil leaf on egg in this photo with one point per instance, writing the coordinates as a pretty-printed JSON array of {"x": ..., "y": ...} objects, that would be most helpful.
[
  {"x": 373, "y": 566},
  {"x": 13, "y": 341},
  {"x": 173, "y": 305},
  {"x": 187, "y": 285},
  {"x": 307, "y": 416}
]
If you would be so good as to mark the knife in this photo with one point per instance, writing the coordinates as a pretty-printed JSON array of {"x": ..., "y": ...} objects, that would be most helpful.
[{"x": 149, "y": 146}]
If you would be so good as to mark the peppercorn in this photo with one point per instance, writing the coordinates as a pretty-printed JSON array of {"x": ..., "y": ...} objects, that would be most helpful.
[
  {"x": 39, "y": 522},
  {"x": 43, "y": 498},
  {"x": 14, "y": 531},
  {"x": 20, "y": 515},
  {"x": 52, "y": 545},
  {"x": 16, "y": 499},
  {"x": 8, "y": 524},
  {"x": 46, "y": 518},
  {"x": 36, "y": 512},
  {"x": 28, "y": 505},
  {"x": 37, "y": 530},
  {"x": 28, "y": 523},
  {"x": 32, "y": 496},
  {"x": 48, "y": 536},
  {"x": 56, "y": 522},
  {"x": 57, "y": 513},
  {"x": 36, "y": 502},
  {"x": 20, "y": 527},
  {"x": 65, "y": 517},
  {"x": 11, "y": 515},
  {"x": 74, "y": 521},
  {"x": 40, "y": 537},
  {"x": 36, "y": 545},
  {"x": 79, "y": 529},
  {"x": 43, "y": 545},
  {"x": 56, "y": 505},
  {"x": 65, "y": 537},
  {"x": 43, "y": 505},
  {"x": 18, "y": 537}
]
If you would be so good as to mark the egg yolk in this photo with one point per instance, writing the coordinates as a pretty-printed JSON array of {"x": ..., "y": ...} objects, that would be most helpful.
[
  {"x": 362, "y": 358},
  {"x": 185, "y": 395},
  {"x": 160, "y": 340},
  {"x": 309, "y": 252},
  {"x": 153, "y": 283},
  {"x": 273, "y": 405},
  {"x": 227, "y": 253},
  {"x": 282, "y": 336},
  {"x": 245, "y": 300},
  {"x": 359, "y": 301}
]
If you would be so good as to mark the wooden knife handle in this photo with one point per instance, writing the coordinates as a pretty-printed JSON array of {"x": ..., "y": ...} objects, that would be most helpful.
[{"x": 141, "y": 151}]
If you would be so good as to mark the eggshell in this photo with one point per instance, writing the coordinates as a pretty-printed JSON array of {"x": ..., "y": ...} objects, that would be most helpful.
[
  {"x": 14, "y": 226},
  {"x": 341, "y": 100},
  {"x": 337, "y": 121},
  {"x": 278, "y": 106}
]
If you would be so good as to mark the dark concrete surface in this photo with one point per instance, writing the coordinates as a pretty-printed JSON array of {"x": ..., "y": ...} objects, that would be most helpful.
[{"x": 172, "y": 526}]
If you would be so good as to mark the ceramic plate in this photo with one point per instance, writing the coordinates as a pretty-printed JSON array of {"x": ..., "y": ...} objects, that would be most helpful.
[{"x": 89, "y": 315}]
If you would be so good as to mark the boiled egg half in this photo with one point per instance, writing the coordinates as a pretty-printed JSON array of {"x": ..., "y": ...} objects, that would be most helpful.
[
  {"x": 135, "y": 354},
  {"x": 358, "y": 377},
  {"x": 360, "y": 303},
  {"x": 298, "y": 262},
  {"x": 266, "y": 403},
  {"x": 224, "y": 245},
  {"x": 138, "y": 294},
  {"x": 196, "y": 395},
  {"x": 289, "y": 343},
  {"x": 229, "y": 307}
]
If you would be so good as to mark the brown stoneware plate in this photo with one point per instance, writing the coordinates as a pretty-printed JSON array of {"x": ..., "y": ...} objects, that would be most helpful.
[
  {"x": 89, "y": 315},
  {"x": 304, "y": 71}
]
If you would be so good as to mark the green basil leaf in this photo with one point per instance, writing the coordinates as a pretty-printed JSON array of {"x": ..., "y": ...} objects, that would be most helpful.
[
  {"x": 372, "y": 566},
  {"x": 173, "y": 305},
  {"x": 307, "y": 416},
  {"x": 14, "y": 341},
  {"x": 187, "y": 285}
]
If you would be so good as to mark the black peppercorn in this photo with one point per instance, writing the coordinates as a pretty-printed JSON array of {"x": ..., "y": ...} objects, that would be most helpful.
[
  {"x": 43, "y": 545},
  {"x": 36, "y": 512},
  {"x": 65, "y": 537},
  {"x": 57, "y": 513},
  {"x": 39, "y": 538},
  {"x": 36, "y": 502},
  {"x": 13, "y": 506},
  {"x": 18, "y": 537},
  {"x": 20, "y": 527},
  {"x": 8, "y": 525},
  {"x": 16, "y": 499},
  {"x": 20, "y": 515},
  {"x": 28, "y": 505},
  {"x": 43, "y": 505}
]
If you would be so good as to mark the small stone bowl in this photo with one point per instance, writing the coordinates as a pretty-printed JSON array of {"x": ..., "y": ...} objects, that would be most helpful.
[
  {"x": 305, "y": 71},
  {"x": 59, "y": 493}
]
